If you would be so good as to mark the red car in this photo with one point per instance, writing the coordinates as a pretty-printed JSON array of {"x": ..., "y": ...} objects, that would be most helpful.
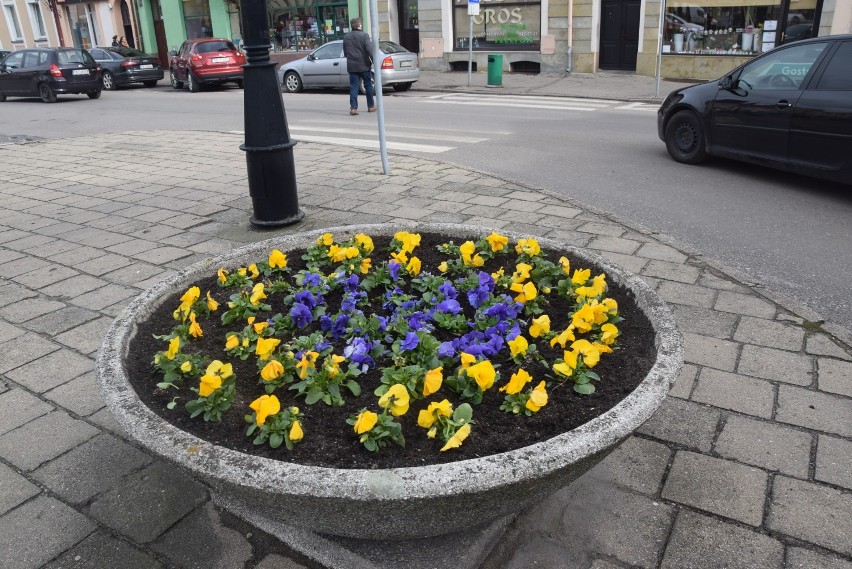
[{"x": 206, "y": 61}]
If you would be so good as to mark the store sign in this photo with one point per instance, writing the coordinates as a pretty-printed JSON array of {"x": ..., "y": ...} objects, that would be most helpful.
[{"x": 500, "y": 24}]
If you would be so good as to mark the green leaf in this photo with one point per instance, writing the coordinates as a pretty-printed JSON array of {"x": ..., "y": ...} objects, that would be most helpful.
[
  {"x": 314, "y": 395},
  {"x": 584, "y": 388},
  {"x": 275, "y": 440},
  {"x": 463, "y": 412},
  {"x": 354, "y": 388},
  {"x": 334, "y": 391},
  {"x": 171, "y": 405}
]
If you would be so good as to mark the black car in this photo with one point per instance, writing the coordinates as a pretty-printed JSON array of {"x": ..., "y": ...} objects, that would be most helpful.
[
  {"x": 790, "y": 108},
  {"x": 47, "y": 72},
  {"x": 122, "y": 65}
]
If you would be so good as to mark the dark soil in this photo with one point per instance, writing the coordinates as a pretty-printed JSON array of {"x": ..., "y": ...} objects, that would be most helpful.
[{"x": 330, "y": 442}]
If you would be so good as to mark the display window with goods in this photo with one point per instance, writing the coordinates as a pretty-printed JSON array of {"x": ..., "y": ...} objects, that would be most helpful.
[{"x": 513, "y": 25}]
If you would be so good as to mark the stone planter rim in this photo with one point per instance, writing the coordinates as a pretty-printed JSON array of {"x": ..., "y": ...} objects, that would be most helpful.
[{"x": 472, "y": 475}]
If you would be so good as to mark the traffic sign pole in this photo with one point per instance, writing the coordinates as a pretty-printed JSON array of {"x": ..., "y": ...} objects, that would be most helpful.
[{"x": 472, "y": 10}]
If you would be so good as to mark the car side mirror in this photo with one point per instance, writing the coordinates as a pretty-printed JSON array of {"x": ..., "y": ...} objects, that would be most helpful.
[
  {"x": 726, "y": 82},
  {"x": 312, "y": 57},
  {"x": 173, "y": 52}
]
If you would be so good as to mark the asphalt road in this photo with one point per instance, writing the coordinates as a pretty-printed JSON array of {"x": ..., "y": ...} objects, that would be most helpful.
[{"x": 791, "y": 233}]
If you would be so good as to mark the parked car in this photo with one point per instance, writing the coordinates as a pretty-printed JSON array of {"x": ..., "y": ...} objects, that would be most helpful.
[
  {"x": 788, "y": 109},
  {"x": 46, "y": 72},
  {"x": 122, "y": 65},
  {"x": 325, "y": 67},
  {"x": 206, "y": 61}
]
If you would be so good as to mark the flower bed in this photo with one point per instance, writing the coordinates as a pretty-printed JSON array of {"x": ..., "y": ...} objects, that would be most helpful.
[{"x": 543, "y": 452}]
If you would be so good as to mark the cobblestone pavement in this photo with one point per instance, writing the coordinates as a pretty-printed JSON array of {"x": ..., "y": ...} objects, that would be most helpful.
[{"x": 747, "y": 465}]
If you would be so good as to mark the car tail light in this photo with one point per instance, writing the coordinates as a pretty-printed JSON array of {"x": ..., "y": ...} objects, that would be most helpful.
[
  {"x": 129, "y": 64},
  {"x": 418, "y": 62},
  {"x": 196, "y": 57},
  {"x": 54, "y": 71},
  {"x": 387, "y": 63}
]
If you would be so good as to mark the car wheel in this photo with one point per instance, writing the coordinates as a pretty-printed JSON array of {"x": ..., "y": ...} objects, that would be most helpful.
[
  {"x": 150, "y": 84},
  {"x": 94, "y": 95},
  {"x": 239, "y": 83},
  {"x": 292, "y": 82},
  {"x": 192, "y": 82},
  {"x": 46, "y": 93},
  {"x": 108, "y": 81},
  {"x": 685, "y": 139},
  {"x": 402, "y": 86},
  {"x": 174, "y": 80}
]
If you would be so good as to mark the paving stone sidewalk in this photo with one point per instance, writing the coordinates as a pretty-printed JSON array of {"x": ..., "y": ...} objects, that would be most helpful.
[{"x": 747, "y": 465}]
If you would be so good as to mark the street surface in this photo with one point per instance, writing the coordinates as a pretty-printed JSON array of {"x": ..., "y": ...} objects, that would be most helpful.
[{"x": 789, "y": 232}]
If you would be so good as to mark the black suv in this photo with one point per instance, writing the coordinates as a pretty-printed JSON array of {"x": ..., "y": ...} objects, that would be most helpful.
[{"x": 47, "y": 72}]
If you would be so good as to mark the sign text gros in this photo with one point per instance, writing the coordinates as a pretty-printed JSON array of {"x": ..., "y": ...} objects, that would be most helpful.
[{"x": 498, "y": 16}]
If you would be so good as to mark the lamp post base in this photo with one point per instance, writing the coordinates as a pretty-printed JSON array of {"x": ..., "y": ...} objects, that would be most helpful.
[{"x": 271, "y": 224}]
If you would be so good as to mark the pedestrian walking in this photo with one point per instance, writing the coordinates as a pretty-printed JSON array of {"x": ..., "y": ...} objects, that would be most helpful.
[{"x": 358, "y": 50}]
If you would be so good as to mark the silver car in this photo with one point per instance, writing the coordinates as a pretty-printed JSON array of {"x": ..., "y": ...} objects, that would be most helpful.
[{"x": 325, "y": 68}]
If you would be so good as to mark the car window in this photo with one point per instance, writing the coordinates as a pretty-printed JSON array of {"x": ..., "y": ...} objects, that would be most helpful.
[
  {"x": 73, "y": 56},
  {"x": 785, "y": 68},
  {"x": 30, "y": 59},
  {"x": 391, "y": 47},
  {"x": 838, "y": 73},
  {"x": 43, "y": 57},
  {"x": 14, "y": 60},
  {"x": 329, "y": 51},
  {"x": 127, "y": 51},
  {"x": 100, "y": 54},
  {"x": 211, "y": 46}
]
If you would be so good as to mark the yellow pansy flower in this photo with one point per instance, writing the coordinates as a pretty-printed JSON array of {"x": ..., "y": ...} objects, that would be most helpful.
[
  {"x": 174, "y": 348},
  {"x": 538, "y": 398},
  {"x": 194, "y": 327},
  {"x": 223, "y": 275},
  {"x": 365, "y": 242},
  {"x": 277, "y": 259},
  {"x": 296, "y": 432},
  {"x": 409, "y": 240},
  {"x": 483, "y": 373},
  {"x": 231, "y": 342},
  {"x": 518, "y": 381},
  {"x": 401, "y": 257},
  {"x": 581, "y": 276},
  {"x": 583, "y": 319},
  {"x": 396, "y": 400},
  {"x": 467, "y": 360},
  {"x": 565, "y": 264},
  {"x": 567, "y": 368},
  {"x": 333, "y": 365},
  {"x": 307, "y": 362},
  {"x": 498, "y": 274},
  {"x": 522, "y": 272},
  {"x": 609, "y": 332},
  {"x": 212, "y": 305},
  {"x": 527, "y": 247},
  {"x": 366, "y": 420},
  {"x": 610, "y": 306},
  {"x": 190, "y": 296},
  {"x": 186, "y": 367},
  {"x": 497, "y": 242},
  {"x": 257, "y": 294},
  {"x": 413, "y": 267},
  {"x": 443, "y": 267},
  {"x": 242, "y": 271},
  {"x": 366, "y": 265},
  {"x": 265, "y": 347},
  {"x": 563, "y": 338},
  {"x": 260, "y": 327},
  {"x": 427, "y": 417},
  {"x": 432, "y": 382},
  {"x": 526, "y": 291},
  {"x": 591, "y": 356},
  {"x": 250, "y": 320},
  {"x": 540, "y": 325},
  {"x": 264, "y": 406},
  {"x": 518, "y": 346},
  {"x": 272, "y": 371},
  {"x": 458, "y": 438},
  {"x": 253, "y": 270},
  {"x": 208, "y": 384},
  {"x": 325, "y": 239},
  {"x": 221, "y": 369}
]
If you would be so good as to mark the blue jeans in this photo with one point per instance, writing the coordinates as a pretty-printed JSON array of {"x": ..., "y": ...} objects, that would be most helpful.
[{"x": 354, "y": 81}]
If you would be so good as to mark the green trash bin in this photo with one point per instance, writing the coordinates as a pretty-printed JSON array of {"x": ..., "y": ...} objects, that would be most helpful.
[{"x": 495, "y": 69}]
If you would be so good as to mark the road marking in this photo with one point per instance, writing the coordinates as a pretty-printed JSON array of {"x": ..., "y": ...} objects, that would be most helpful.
[
  {"x": 536, "y": 102},
  {"x": 639, "y": 107},
  {"x": 390, "y": 132},
  {"x": 367, "y": 143},
  {"x": 582, "y": 100}
]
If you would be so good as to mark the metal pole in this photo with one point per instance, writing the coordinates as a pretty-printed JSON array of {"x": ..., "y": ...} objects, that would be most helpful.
[
  {"x": 470, "y": 51},
  {"x": 660, "y": 45},
  {"x": 55, "y": 9},
  {"x": 377, "y": 83},
  {"x": 268, "y": 148}
]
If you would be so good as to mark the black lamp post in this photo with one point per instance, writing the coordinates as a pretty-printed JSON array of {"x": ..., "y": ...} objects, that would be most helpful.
[{"x": 269, "y": 150}]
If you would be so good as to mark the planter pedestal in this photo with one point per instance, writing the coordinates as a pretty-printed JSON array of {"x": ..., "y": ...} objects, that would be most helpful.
[{"x": 440, "y": 515}]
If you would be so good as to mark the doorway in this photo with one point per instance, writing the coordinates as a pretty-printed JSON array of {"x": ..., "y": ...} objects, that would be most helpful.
[
  {"x": 619, "y": 34},
  {"x": 409, "y": 25}
]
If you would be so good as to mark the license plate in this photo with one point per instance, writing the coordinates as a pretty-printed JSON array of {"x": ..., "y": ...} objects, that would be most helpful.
[
  {"x": 219, "y": 60},
  {"x": 80, "y": 72},
  {"x": 405, "y": 63},
  {"x": 146, "y": 66}
]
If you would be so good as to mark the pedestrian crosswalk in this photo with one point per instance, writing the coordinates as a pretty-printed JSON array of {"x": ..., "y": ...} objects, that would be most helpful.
[
  {"x": 537, "y": 102},
  {"x": 399, "y": 137}
]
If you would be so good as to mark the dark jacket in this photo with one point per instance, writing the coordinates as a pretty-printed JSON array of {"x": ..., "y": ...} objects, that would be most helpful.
[{"x": 358, "y": 50}]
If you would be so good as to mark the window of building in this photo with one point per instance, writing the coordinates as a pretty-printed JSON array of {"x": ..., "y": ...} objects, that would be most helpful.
[
  {"x": 510, "y": 25},
  {"x": 12, "y": 21},
  {"x": 81, "y": 19},
  {"x": 196, "y": 17},
  {"x": 37, "y": 19}
]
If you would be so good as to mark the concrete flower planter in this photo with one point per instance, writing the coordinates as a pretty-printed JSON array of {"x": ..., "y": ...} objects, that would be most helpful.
[{"x": 391, "y": 504}]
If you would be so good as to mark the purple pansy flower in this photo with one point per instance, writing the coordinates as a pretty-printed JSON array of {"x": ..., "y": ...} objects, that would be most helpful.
[{"x": 410, "y": 342}]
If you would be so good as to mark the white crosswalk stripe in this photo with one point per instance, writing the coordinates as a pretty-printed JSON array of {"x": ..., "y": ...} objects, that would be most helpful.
[
  {"x": 536, "y": 102},
  {"x": 398, "y": 136}
]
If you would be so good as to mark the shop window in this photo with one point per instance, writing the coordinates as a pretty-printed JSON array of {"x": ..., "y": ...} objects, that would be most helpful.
[
  {"x": 511, "y": 25},
  {"x": 81, "y": 18},
  {"x": 37, "y": 19},
  {"x": 12, "y": 21},
  {"x": 196, "y": 17}
]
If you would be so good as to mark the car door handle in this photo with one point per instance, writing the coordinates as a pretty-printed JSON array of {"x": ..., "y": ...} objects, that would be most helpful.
[
  {"x": 336, "y": 63},
  {"x": 783, "y": 104}
]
